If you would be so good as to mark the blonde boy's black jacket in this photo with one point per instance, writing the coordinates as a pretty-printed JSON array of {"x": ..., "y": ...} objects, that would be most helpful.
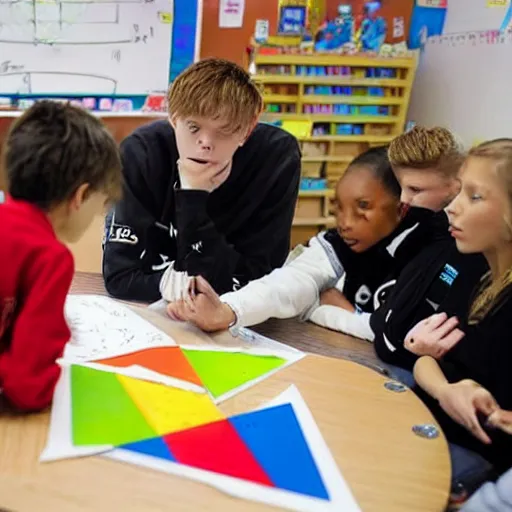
[{"x": 238, "y": 233}]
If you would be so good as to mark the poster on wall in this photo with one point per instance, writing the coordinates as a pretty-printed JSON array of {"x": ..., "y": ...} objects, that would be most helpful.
[
  {"x": 261, "y": 31},
  {"x": 428, "y": 17},
  {"x": 443, "y": 4},
  {"x": 292, "y": 20},
  {"x": 231, "y": 13}
]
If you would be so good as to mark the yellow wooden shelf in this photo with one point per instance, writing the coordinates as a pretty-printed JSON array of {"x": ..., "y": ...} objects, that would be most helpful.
[
  {"x": 328, "y": 158},
  {"x": 336, "y": 151},
  {"x": 370, "y": 139},
  {"x": 328, "y": 192},
  {"x": 330, "y": 80},
  {"x": 314, "y": 221},
  {"x": 329, "y": 118},
  {"x": 280, "y": 98},
  {"x": 316, "y": 59},
  {"x": 329, "y": 99}
]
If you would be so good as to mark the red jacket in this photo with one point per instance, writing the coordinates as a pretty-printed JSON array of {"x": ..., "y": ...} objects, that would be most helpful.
[{"x": 36, "y": 270}]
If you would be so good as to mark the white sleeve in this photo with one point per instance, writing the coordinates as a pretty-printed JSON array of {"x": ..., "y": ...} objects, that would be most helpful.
[
  {"x": 288, "y": 291},
  {"x": 338, "y": 319}
]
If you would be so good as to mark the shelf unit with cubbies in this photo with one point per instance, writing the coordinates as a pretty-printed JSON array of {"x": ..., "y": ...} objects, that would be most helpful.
[{"x": 345, "y": 103}]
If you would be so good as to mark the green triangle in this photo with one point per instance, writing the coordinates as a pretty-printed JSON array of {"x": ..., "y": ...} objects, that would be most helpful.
[
  {"x": 222, "y": 372},
  {"x": 102, "y": 412}
]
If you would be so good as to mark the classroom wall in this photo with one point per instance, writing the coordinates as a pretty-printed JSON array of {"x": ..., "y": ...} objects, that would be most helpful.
[
  {"x": 230, "y": 43},
  {"x": 463, "y": 79}
]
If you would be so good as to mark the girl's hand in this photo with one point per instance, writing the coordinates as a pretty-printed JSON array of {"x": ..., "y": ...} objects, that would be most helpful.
[
  {"x": 501, "y": 419},
  {"x": 434, "y": 336},
  {"x": 203, "y": 308},
  {"x": 463, "y": 400}
]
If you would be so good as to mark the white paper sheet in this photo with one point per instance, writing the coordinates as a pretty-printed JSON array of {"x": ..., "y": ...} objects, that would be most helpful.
[
  {"x": 341, "y": 496},
  {"x": 231, "y": 13},
  {"x": 59, "y": 444},
  {"x": 289, "y": 356},
  {"x": 102, "y": 327}
]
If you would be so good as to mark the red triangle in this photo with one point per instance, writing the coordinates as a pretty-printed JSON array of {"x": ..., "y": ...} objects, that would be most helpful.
[
  {"x": 168, "y": 361},
  {"x": 217, "y": 447}
]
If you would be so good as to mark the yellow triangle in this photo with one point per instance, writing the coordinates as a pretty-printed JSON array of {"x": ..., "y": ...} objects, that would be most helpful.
[{"x": 169, "y": 409}]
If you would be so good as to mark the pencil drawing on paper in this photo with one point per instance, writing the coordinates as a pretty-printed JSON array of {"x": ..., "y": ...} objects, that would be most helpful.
[{"x": 99, "y": 326}]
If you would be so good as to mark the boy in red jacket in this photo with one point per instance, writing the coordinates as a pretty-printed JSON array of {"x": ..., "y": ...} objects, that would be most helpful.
[{"x": 62, "y": 167}]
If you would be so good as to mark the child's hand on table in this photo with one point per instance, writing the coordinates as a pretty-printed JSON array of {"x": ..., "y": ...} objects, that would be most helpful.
[
  {"x": 333, "y": 297},
  {"x": 203, "y": 308}
]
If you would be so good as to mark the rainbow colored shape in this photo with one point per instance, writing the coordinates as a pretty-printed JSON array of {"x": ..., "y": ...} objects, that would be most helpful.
[
  {"x": 110, "y": 409},
  {"x": 265, "y": 447},
  {"x": 220, "y": 372}
]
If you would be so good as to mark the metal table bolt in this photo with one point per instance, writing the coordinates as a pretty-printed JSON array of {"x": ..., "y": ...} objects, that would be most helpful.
[
  {"x": 397, "y": 387},
  {"x": 427, "y": 431}
]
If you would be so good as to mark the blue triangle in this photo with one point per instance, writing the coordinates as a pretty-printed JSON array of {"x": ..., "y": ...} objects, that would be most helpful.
[
  {"x": 275, "y": 438},
  {"x": 155, "y": 447}
]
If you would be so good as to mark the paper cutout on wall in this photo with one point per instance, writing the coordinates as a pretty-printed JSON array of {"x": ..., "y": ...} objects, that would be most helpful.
[
  {"x": 109, "y": 409},
  {"x": 275, "y": 455},
  {"x": 225, "y": 372}
]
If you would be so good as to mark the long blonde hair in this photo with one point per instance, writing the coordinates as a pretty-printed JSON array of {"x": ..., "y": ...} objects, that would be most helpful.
[
  {"x": 491, "y": 292},
  {"x": 427, "y": 148}
]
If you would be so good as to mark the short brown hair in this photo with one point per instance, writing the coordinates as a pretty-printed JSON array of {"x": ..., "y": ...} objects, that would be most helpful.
[
  {"x": 214, "y": 88},
  {"x": 499, "y": 152},
  {"x": 53, "y": 149},
  {"x": 423, "y": 148}
]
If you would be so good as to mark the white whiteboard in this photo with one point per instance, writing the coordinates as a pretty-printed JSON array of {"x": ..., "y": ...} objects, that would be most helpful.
[
  {"x": 464, "y": 84},
  {"x": 463, "y": 79},
  {"x": 472, "y": 15},
  {"x": 80, "y": 47}
]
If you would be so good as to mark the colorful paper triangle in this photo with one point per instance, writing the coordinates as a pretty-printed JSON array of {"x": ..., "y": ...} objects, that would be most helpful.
[
  {"x": 276, "y": 439},
  {"x": 102, "y": 413},
  {"x": 169, "y": 361},
  {"x": 223, "y": 371},
  {"x": 110, "y": 409},
  {"x": 169, "y": 409},
  {"x": 266, "y": 447}
]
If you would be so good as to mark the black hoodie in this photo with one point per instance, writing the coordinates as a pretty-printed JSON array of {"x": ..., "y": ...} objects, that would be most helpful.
[
  {"x": 237, "y": 233},
  {"x": 439, "y": 279}
]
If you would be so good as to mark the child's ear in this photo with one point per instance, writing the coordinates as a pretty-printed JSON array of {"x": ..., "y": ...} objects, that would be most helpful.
[
  {"x": 80, "y": 195},
  {"x": 172, "y": 120},
  {"x": 249, "y": 131}
]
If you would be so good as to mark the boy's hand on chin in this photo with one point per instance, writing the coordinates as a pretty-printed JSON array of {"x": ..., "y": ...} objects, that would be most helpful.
[
  {"x": 333, "y": 297},
  {"x": 202, "y": 176},
  {"x": 202, "y": 308}
]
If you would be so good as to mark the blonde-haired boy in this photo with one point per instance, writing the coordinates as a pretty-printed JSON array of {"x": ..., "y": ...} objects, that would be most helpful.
[{"x": 208, "y": 191}]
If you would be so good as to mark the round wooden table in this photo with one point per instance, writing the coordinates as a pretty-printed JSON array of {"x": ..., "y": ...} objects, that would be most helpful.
[{"x": 367, "y": 428}]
